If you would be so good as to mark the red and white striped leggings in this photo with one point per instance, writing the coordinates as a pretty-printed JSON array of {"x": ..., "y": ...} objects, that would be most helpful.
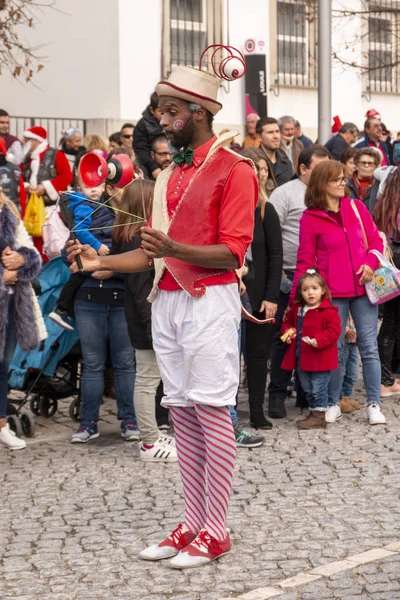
[{"x": 206, "y": 449}]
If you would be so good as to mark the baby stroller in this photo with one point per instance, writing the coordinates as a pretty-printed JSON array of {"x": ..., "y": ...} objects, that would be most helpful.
[{"x": 51, "y": 371}]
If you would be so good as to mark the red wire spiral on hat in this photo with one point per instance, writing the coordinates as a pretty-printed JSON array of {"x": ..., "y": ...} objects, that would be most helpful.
[{"x": 231, "y": 67}]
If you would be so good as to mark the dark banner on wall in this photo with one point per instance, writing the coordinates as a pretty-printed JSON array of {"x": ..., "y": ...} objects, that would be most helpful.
[{"x": 256, "y": 84}]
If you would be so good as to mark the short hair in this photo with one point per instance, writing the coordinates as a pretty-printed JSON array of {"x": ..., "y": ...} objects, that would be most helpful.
[
  {"x": 127, "y": 125},
  {"x": 114, "y": 151},
  {"x": 306, "y": 155},
  {"x": 322, "y": 174},
  {"x": 3, "y": 113},
  {"x": 194, "y": 107},
  {"x": 367, "y": 122},
  {"x": 297, "y": 124},
  {"x": 115, "y": 137},
  {"x": 313, "y": 273},
  {"x": 161, "y": 139},
  {"x": 347, "y": 154},
  {"x": 348, "y": 127},
  {"x": 265, "y": 121},
  {"x": 368, "y": 151},
  {"x": 154, "y": 100},
  {"x": 285, "y": 119}
]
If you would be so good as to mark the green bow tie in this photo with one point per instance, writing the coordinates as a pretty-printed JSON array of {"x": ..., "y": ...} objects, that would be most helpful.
[{"x": 184, "y": 156}]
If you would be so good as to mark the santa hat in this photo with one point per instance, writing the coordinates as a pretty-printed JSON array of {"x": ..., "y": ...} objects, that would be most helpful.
[
  {"x": 201, "y": 87},
  {"x": 337, "y": 124},
  {"x": 36, "y": 133},
  {"x": 372, "y": 114}
]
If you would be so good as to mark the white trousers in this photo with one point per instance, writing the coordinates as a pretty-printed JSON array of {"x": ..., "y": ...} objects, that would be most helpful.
[{"x": 196, "y": 345}]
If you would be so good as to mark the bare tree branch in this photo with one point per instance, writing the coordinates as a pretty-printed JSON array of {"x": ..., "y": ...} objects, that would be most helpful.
[{"x": 16, "y": 55}]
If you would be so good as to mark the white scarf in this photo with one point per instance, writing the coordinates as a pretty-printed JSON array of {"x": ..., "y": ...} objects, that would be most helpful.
[{"x": 35, "y": 162}]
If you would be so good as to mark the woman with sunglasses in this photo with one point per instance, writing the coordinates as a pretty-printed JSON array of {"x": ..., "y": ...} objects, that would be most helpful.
[{"x": 337, "y": 236}]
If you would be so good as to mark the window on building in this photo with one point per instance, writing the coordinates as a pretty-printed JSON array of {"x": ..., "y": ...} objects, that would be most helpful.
[
  {"x": 297, "y": 43},
  {"x": 189, "y": 26},
  {"x": 383, "y": 48}
]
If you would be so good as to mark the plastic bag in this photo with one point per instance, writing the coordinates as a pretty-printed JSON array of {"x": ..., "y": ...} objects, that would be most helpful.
[
  {"x": 54, "y": 232},
  {"x": 35, "y": 215},
  {"x": 385, "y": 283}
]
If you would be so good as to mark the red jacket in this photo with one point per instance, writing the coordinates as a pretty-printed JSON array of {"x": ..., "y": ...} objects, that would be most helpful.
[
  {"x": 197, "y": 218},
  {"x": 323, "y": 324},
  {"x": 337, "y": 251}
]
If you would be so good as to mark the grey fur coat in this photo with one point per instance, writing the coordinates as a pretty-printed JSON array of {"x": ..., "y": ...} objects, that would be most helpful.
[{"x": 13, "y": 233}]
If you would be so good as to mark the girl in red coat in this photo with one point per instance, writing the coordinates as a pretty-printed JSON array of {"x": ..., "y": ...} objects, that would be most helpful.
[{"x": 313, "y": 325}]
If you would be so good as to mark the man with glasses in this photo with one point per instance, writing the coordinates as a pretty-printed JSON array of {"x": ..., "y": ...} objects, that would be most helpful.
[
  {"x": 346, "y": 137},
  {"x": 363, "y": 184},
  {"x": 161, "y": 153},
  {"x": 373, "y": 138},
  {"x": 127, "y": 138}
]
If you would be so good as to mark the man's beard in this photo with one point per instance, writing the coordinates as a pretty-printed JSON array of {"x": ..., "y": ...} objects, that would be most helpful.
[{"x": 182, "y": 137}]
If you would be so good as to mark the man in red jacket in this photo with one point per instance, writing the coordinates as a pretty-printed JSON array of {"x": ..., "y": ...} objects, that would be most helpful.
[
  {"x": 195, "y": 243},
  {"x": 46, "y": 171}
]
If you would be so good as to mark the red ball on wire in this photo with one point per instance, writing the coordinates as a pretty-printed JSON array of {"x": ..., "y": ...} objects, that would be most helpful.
[{"x": 231, "y": 67}]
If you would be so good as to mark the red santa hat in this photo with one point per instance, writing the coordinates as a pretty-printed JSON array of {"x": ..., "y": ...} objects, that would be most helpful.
[
  {"x": 337, "y": 124},
  {"x": 36, "y": 133},
  {"x": 372, "y": 114}
]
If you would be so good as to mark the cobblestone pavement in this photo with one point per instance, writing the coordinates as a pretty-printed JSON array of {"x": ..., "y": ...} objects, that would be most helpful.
[{"x": 75, "y": 517}]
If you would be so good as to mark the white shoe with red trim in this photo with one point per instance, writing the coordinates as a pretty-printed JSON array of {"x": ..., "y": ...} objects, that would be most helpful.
[
  {"x": 179, "y": 539},
  {"x": 204, "y": 549}
]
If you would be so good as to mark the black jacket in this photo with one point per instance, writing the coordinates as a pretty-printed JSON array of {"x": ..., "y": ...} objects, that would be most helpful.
[
  {"x": 336, "y": 145},
  {"x": 370, "y": 199},
  {"x": 282, "y": 169},
  {"x": 265, "y": 269},
  {"x": 137, "y": 308},
  {"x": 146, "y": 131}
]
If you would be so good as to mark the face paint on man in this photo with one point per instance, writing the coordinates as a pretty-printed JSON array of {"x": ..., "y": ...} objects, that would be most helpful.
[
  {"x": 179, "y": 124},
  {"x": 176, "y": 121}
]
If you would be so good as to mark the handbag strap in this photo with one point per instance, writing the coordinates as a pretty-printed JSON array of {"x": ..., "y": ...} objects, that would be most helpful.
[
  {"x": 354, "y": 207},
  {"x": 245, "y": 313}
]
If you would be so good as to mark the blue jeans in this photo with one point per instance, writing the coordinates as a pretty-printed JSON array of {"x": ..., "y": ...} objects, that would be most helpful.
[
  {"x": 9, "y": 348},
  {"x": 99, "y": 325},
  {"x": 315, "y": 384},
  {"x": 365, "y": 317},
  {"x": 350, "y": 370}
]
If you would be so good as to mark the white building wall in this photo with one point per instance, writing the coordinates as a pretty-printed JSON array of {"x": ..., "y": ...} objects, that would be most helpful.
[
  {"x": 246, "y": 20},
  {"x": 140, "y": 41},
  {"x": 104, "y": 60},
  {"x": 81, "y": 75}
]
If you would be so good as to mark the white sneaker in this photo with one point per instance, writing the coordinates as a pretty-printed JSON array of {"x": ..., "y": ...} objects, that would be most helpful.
[
  {"x": 166, "y": 439},
  {"x": 375, "y": 416},
  {"x": 160, "y": 451},
  {"x": 333, "y": 413},
  {"x": 179, "y": 539},
  {"x": 9, "y": 439}
]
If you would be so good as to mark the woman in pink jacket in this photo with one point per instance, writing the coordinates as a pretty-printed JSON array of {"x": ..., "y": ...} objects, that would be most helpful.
[{"x": 337, "y": 235}]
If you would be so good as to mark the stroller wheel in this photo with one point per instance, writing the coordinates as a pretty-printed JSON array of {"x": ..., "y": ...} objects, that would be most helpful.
[
  {"x": 34, "y": 404},
  {"x": 75, "y": 409},
  {"x": 47, "y": 406},
  {"x": 15, "y": 424},
  {"x": 28, "y": 424}
]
